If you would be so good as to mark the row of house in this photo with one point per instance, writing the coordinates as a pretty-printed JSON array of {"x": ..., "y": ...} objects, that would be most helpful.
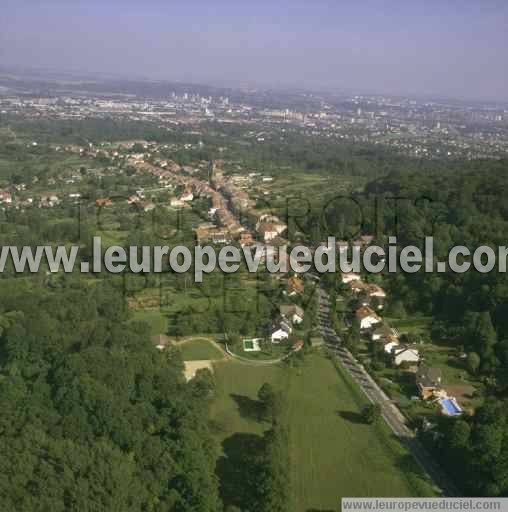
[
  {"x": 367, "y": 291},
  {"x": 289, "y": 314},
  {"x": 45, "y": 201},
  {"x": 381, "y": 332},
  {"x": 371, "y": 323},
  {"x": 428, "y": 379}
]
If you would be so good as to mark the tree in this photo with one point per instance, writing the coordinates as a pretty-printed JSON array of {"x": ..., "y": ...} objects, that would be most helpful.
[
  {"x": 485, "y": 340},
  {"x": 473, "y": 362},
  {"x": 397, "y": 309},
  {"x": 266, "y": 393},
  {"x": 271, "y": 401},
  {"x": 233, "y": 340},
  {"x": 459, "y": 436},
  {"x": 371, "y": 413},
  {"x": 275, "y": 482},
  {"x": 352, "y": 337}
]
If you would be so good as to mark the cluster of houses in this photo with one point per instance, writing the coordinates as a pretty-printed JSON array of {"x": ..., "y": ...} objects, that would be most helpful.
[
  {"x": 49, "y": 201},
  {"x": 228, "y": 200},
  {"x": 367, "y": 292},
  {"x": 225, "y": 198},
  {"x": 379, "y": 331},
  {"x": 138, "y": 200},
  {"x": 270, "y": 228},
  {"x": 7, "y": 199},
  {"x": 238, "y": 198},
  {"x": 428, "y": 379},
  {"x": 372, "y": 325},
  {"x": 289, "y": 316},
  {"x": 183, "y": 201}
]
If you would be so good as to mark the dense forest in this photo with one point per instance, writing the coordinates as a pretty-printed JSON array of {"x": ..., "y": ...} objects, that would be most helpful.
[
  {"x": 469, "y": 310},
  {"x": 456, "y": 208},
  {"x": 93, "y": 416}
]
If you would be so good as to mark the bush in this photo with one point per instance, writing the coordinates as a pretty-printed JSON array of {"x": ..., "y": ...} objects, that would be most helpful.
[{"x": 371, "y": 413}]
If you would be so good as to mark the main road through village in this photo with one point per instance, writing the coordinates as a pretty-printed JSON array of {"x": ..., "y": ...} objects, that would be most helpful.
[{"x": 392, "y": 415}]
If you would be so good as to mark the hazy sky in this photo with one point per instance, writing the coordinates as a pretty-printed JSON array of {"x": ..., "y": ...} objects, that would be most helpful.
[{"x": 456, "y": 48}]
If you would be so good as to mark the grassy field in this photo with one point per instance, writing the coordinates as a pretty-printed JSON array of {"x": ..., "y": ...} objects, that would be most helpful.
[
  {"x": 154, "y": 318},
  {"x": 199, "y": 349},
  {"x": 333, "y": 453}
]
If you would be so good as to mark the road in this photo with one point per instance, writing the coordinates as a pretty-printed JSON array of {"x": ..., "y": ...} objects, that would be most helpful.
[{"x": 391, "y": 413}]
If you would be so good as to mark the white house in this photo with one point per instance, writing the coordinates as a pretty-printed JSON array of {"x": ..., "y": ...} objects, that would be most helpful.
[
  {"x": 292, "y": 312},
  {"x": 281, "y": 333},
  {"x": 271, "y": 230},
  {"x": 376, "y": 291},
  {"x": 187, "y": 196},
  {"x": 347, "y": 277},
  {"x": 391, "y": 346},
  {"x": 267, "y": 217},
  {"x": 357, "y": 286},
  {"x": 367, "y": 317},
  {"x": 406, "y": 355},
  {"x": 382, "y": 331}
]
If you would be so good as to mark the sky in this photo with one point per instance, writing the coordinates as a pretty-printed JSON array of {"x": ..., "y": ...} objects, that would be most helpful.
[{"x": 447, "y": 48}]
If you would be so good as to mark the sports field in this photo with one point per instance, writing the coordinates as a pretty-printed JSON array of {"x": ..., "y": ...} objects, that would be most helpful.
[{"x": 333, "y": 452}]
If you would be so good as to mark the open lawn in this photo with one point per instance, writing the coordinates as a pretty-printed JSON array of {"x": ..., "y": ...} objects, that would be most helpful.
[
  {"x": 199, "y": 349},
  {"x": 333, "y": 452}
]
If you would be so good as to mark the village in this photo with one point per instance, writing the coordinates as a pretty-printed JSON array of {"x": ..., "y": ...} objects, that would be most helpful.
[{"x": 227, "y": 209}]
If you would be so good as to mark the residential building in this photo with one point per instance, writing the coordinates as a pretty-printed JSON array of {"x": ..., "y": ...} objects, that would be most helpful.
[
  {"x": 106, "y": 201},
  {"x": 280, "y": 332},
  {"x": 405, "y": 355},
  {"x": 292, "y": 312},
  {"x": 161, "y": 341},
  {"x": 428, "y": 380},
  {"x": 295, "y": 286},
  {"x": 269, "y": 231},
  {"x": 297, "y": 345},
  {"x": 381, "y": 331},
  {"x": 347, "y": 277},
  {"x": 376, "y": 291},
  {"x": 367, "y": 317}
]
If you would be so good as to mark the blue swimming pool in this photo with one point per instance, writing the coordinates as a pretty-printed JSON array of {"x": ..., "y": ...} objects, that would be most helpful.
[{"x": 450, "y": 407}]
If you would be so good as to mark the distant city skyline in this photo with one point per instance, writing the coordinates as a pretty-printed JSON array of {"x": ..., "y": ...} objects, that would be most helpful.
[{"x": 453, "y": 49}]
